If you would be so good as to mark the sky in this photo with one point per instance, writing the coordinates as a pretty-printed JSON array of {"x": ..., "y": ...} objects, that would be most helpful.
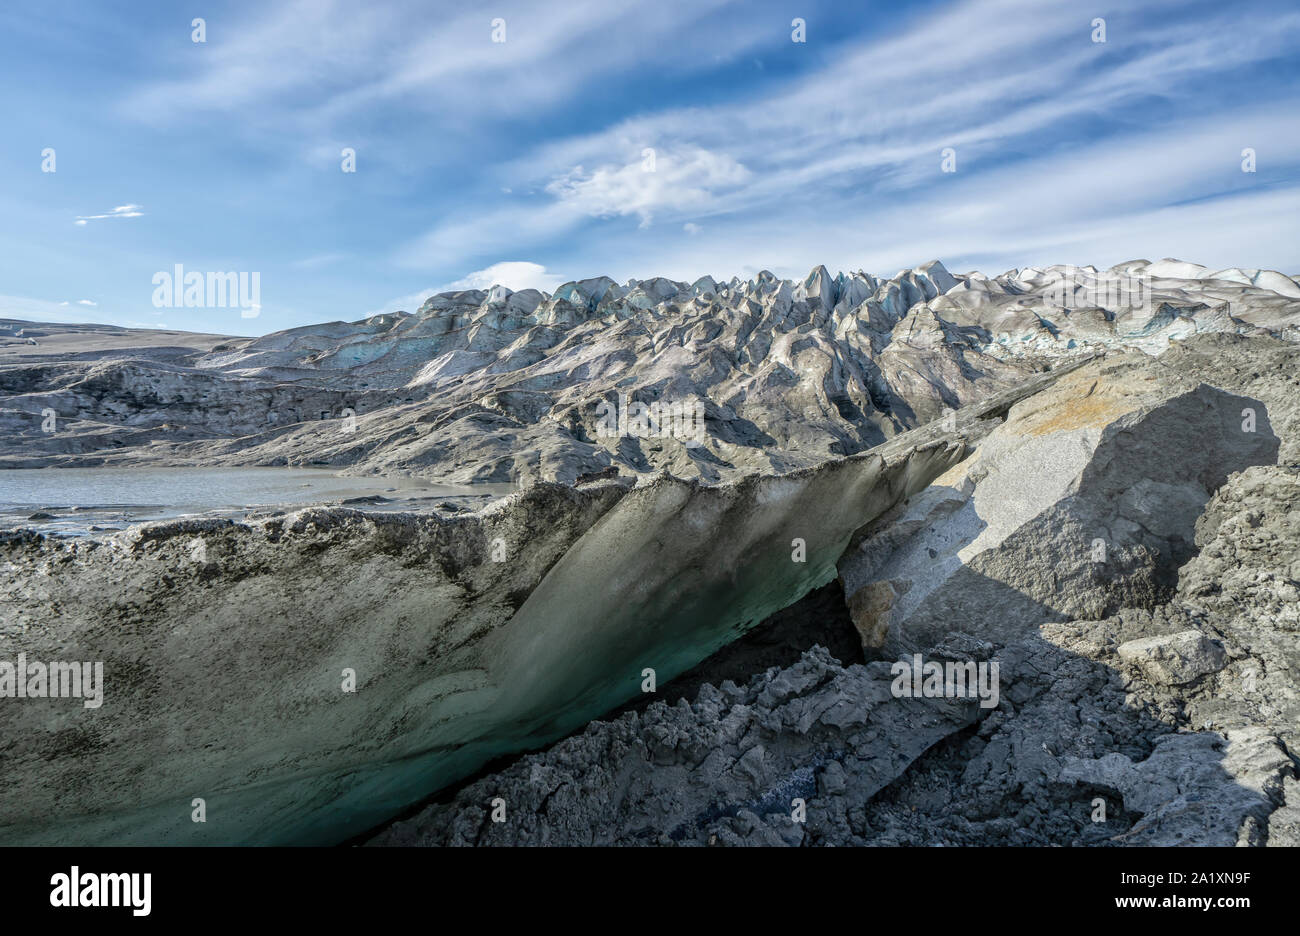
[{"x": 530, "y": 143}]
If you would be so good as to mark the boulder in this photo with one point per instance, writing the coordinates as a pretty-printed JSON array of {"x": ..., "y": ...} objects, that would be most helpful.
[
  {"x": 1174, "y": 659},
  {"x": 1201, "y": 789},
  {"x": 1082, "y": 501}
]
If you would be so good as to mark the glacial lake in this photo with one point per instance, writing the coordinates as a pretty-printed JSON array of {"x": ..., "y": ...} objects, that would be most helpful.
[{"x": 77, "y": 498}]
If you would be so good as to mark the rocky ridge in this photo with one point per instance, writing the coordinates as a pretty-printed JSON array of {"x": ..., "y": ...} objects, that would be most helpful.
[{"x": 494, "y": 385}]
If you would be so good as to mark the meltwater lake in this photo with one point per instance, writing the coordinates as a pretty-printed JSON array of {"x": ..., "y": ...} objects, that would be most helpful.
[{"x": 75, "y": 500}]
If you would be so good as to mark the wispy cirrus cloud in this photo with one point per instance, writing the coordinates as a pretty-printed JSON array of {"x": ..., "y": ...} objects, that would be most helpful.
[
  {"x": 121, "y": 211},
  {"x": 1009, "y": 83},
  {"x": 335, "y": 59}
]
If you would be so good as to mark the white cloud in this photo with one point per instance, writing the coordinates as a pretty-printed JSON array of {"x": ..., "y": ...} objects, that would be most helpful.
[
  {"x": 513, "y": 274},
  {"x": 86, "y": 302},
  {"x": 121, "y": 211},
  {"x": 674, "y": 181},
  {"x": 685, "y": 179},
  {"x": 47, "y": 310}
]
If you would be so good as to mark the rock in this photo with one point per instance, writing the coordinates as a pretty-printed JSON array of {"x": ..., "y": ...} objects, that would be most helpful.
[
  {"x": 870, "y": 607},
  {"x": 1240, "y": 588},
  {"x": 1175, "y": 659},
  {"x": 1284, "y": 823},
  {"x": 1194, "y": 789},
  {"x": 1263, "y": 368},
  {"x": 605, "y": 474},
  {"x": 1072, "y": 507},
  {"x": 728, "y": 769}
]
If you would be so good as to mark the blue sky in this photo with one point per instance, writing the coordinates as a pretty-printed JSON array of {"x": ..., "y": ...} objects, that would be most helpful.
[{"x": 522, "y": 161}]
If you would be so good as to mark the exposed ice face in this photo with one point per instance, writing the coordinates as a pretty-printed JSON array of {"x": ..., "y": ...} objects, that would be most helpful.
[{"x": 460, "y": 658}]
